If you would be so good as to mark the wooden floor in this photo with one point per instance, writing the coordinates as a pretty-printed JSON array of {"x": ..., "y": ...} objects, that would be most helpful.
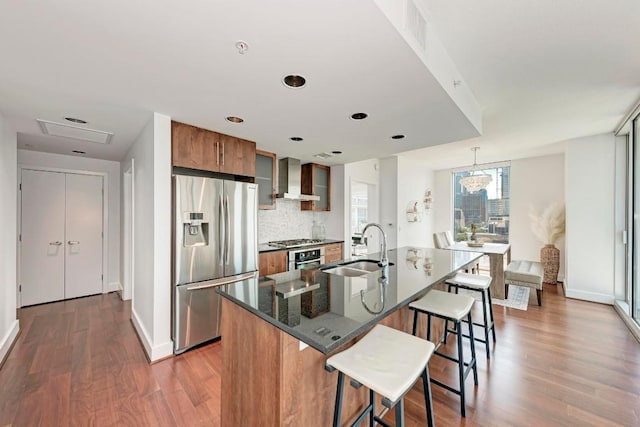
[{"x": 79, "y": 363}]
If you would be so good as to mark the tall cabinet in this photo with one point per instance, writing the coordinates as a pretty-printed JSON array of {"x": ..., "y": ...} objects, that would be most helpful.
[{"x": 266, "y": 179}]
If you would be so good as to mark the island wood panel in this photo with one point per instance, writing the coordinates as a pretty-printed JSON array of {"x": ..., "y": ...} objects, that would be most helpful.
[
  {"x": 269, "y": 381},
  {"x": 272, "y": 262}
]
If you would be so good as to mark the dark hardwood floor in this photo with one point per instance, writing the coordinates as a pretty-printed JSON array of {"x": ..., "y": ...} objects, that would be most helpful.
[{"x": 79, "y": 362}]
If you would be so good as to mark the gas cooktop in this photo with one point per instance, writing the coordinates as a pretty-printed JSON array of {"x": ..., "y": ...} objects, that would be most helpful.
[{"x": 294, "y": 243}]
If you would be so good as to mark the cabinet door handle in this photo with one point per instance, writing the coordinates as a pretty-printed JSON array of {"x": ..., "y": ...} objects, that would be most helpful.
[
  {"x": 56, "y": 243},
  {"x": 223, "y": 154},
  {"x": 217, "y": 153},
  {"x": 73, "y": 242}
]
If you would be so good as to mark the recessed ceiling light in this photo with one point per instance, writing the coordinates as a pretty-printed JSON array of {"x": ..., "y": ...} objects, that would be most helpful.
[
  {"x": 397, "y": 137},
  {"x": 359, "y": 116},
  {"x": 294, "y": 81},
  {"x": 79, "y": 152},
  {"x": 234, "y": 119},
  {"x": 296, "y": 138},
  {"x": 336, "y": 152},
  {"x": 74, "y": 120}
]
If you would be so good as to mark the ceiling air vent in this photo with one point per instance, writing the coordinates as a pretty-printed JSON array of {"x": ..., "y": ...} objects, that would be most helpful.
[
  {"x": 74, "y": 132},
  {"x": 416, "y": 24},
  {"x": 324, "y": 155}
]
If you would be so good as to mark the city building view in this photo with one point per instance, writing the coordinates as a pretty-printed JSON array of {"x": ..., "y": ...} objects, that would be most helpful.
[{"x": 487, "y": 209}]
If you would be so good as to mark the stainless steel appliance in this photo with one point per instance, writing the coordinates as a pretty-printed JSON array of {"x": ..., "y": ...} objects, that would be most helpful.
[
  {"x": 215, "y": 243},
  {"x": 302, "y": 259}
]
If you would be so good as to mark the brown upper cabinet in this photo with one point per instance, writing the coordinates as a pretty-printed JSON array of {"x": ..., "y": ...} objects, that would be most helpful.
[
  {"x": 202, "y": 149},
  {"x": 266, "y": 179},
  {"x": 316, "y": 180}
]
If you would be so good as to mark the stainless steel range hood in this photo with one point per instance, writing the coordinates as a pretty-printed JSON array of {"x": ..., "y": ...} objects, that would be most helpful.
[{"x": 290, "y": 181}]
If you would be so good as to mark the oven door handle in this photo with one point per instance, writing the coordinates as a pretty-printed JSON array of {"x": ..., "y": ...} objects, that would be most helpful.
[{"x": 308, "y": 262}]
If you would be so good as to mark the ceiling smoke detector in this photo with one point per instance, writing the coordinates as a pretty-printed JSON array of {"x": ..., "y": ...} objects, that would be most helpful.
[
  {"x": 74, "y": 132},
  {"x": 242, "y": 47}
]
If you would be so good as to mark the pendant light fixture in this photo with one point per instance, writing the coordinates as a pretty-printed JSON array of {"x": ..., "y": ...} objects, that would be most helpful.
[{"x": 475, "y": 181}]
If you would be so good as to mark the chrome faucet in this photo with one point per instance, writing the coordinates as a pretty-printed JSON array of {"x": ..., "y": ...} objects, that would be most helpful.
[{"x": 384, "y": 261}]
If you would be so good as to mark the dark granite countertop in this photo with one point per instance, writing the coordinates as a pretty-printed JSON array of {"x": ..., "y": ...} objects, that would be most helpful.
[
  {"x": 325, "y": 310},
  {"x": 265, "y": 247}
]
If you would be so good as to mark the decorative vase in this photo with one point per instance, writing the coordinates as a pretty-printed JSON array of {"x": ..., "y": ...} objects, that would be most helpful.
[{"x": 550, "y": 259}]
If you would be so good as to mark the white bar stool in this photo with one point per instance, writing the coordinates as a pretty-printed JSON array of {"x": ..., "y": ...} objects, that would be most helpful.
[
  {"x": 387, "y": 362},
  {"x": 450, "y": 307},
  {"x": 479, "y": 283}
]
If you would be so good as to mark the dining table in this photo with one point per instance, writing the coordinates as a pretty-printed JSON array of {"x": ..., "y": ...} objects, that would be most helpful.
[{"x": 496, "y": 253}]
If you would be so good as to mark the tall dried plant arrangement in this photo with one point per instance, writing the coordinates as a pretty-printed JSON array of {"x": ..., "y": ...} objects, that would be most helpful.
[{"x": 548, "y": 226}]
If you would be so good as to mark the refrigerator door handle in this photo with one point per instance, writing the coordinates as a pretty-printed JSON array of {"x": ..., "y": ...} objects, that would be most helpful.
[
  {"x": 225, "y": 281},
  {"x": 222, "y": 230},
  {"x": 227, "y": 234}
]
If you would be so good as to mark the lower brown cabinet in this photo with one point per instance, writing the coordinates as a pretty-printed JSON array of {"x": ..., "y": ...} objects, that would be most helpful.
[{"x": 272, "y": 262}]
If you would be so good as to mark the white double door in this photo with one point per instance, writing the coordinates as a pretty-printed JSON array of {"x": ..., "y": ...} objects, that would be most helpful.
[{"x": 61, "y": 236}]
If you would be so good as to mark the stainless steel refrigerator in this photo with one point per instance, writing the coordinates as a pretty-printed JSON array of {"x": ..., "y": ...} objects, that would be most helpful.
[{"x": 215, "y": 243}]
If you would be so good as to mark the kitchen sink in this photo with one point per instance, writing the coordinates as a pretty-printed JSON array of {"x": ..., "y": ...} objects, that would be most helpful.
[
  {"x": 355, "y": 268},
  {"x": 364, "y": 264},
  {"x": 346, "y": 271}
]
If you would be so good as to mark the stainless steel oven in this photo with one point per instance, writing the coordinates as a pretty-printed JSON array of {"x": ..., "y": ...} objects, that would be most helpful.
[{"x": 302, "y": 259}]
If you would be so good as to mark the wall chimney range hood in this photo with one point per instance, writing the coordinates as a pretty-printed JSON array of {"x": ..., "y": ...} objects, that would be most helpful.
[{"x": 290, "y": 181}]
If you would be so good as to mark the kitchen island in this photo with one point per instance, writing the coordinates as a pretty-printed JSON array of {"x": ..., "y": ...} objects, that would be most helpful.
[{"x": 278, "y": 332}]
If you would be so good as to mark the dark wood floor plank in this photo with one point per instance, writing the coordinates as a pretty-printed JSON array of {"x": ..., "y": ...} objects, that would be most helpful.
[{"x": 79, "y": 362}]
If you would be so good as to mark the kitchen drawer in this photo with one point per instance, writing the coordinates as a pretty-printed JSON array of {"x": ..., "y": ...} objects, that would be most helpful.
[{"x": 333, "y": 252}]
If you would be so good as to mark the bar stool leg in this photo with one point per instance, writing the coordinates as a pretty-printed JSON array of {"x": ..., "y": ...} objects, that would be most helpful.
[
  {"x": 338, "y": 408},
  {"x": 372, "y": 415},
  {"x": 426, "y": 384},
  {"x": 400, "y": 413},
  {"x": 486, "y": 324},
  {"x": 472, "y": 342},
  {"x": 493, "y": 323},
  {"x": 461, "y": 363},
  {"x": 415, "y": 322}
]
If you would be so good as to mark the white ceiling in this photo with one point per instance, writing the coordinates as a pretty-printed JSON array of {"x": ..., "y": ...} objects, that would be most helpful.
[{"x": 542, "y": 72}]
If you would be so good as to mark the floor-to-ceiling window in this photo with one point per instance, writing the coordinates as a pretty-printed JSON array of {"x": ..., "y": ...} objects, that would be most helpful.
[
  {"x": 487, "y": 210},
  {"x": 628, "y": 294}
]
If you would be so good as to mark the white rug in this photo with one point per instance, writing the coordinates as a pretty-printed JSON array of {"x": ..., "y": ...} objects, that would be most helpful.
[{"x": 518, "y": 297}]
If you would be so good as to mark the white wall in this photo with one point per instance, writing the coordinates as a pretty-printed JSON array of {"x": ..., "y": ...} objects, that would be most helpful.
[
  {"x": 590, "y": 195},
  {"x": 412, "y": 182},
  {"x": 536, "y": 183},
  {"x": 112, "y": 193},
  {"x": 151, "y": 296},
  {"x": 389, "y": 199},
  {"x": 442, "y": 203},
  {"x": 9, "y": 325}
]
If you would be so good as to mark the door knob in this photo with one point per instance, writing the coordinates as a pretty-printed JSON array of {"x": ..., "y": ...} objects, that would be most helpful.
[
  {"x": 73, "y": 242},
  {"x": 56, "y": 243}
]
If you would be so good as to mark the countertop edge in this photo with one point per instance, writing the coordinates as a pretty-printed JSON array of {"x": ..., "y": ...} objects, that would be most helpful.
[{"x": 264, "y": 247}]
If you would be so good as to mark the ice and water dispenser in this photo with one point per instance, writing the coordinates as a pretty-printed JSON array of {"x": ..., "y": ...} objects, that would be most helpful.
[{"x": 196, "y": 229}]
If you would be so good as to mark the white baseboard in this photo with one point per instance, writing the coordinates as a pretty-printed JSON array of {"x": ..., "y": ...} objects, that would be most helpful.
[
  {"x": 589, "y": 296},
  {"x": 156, "y": 352},
  {"x": 8, "y": 339},
  {"x": 112, "y": 287}
]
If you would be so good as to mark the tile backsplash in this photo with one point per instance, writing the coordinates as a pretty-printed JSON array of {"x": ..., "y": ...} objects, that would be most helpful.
[{"x": 287, "y": 221}]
